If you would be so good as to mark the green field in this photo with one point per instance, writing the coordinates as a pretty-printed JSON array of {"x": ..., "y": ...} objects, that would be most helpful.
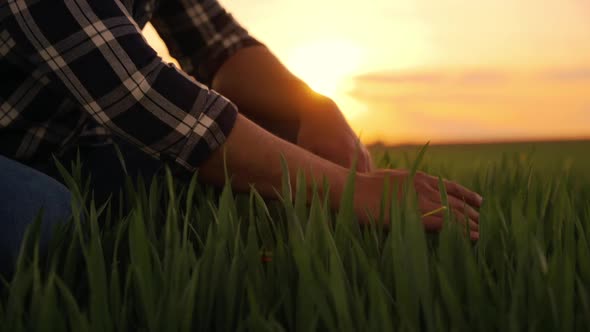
[
  {"x": 551, "y": 158},
  {"x": 186, "y": 258}
]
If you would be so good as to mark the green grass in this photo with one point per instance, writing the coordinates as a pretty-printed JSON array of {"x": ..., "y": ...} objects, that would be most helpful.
[{"x": 182, "y": 257}]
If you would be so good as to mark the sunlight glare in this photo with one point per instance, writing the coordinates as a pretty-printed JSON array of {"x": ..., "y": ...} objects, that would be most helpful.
[{"x": 325, "y": 65}]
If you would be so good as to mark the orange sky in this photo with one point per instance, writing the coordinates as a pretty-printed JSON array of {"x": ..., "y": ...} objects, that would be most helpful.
[{"x": 444, "y": 70}]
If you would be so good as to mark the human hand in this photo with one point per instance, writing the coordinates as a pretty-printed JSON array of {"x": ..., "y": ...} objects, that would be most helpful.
[
  {"x": 463, "y": 203},
  {"x": 323, "y": 130}
]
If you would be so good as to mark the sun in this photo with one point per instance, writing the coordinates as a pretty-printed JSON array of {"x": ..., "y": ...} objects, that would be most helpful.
[{"x": 326, "y": 65}]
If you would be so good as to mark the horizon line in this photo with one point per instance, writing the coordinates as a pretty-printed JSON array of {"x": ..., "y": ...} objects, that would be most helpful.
[{"x": 380, "y": 143}]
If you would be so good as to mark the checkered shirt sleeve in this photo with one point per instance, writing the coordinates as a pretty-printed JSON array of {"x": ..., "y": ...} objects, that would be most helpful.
[
  {"x": 96, "y": 54},
  {"x": 200, "y": 34}
]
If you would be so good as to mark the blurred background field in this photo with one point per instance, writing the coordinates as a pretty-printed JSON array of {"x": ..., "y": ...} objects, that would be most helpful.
[{"x": 461, "y": 160}]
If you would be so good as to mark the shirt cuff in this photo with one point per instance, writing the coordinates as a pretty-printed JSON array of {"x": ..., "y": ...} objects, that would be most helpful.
[
  {"x": 212, "y": 58},
  {"x": 208, "y": 134}
]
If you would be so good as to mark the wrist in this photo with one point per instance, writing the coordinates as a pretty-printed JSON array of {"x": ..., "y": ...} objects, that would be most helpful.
[
  {"x": 339, "y": 186},
  {"x": 335, "y": 176}
]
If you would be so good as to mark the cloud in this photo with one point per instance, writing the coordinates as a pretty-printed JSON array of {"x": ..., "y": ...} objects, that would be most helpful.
[
  {"x": 457, "y": 77},
  {"x": 443, "y": 86},
  {"x": 471, "y": 105},
  {"x": 580, "y": 74},
  {"x": 582, "y": 115},
  {"x": 482, "y": 77},
  {"x": 397, "y": 78}
]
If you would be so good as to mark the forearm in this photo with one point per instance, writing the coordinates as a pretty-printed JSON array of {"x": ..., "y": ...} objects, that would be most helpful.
[
  {"x": 253, "y": 157},
  {"x": 260, "y": 85}
]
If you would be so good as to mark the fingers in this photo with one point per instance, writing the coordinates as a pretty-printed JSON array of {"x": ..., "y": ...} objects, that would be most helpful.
[
  {"x": 462, "y": 193},
  {"x": 464, "y": 212},
  {"x": 473, "y": 226},
  {"x": 465, "y": 218},
  {"x": 472, "y": 198},
  {"x": 462, "y": 202},
  {"x": 464, "y": 208}
]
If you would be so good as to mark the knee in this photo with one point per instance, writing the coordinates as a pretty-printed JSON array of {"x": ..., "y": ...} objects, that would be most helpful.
[{"x": 27, "y": 193}]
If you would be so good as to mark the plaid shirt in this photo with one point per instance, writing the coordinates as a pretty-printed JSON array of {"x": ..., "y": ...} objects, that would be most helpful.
[{"x": 73, "y": 71}]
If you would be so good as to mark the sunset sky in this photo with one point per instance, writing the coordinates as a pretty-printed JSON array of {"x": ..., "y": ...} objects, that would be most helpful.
[{"x": 410, "y": 71}]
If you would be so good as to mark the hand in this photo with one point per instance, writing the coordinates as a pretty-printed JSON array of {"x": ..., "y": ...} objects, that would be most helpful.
[
  {"x": 464, "y": 203},
  {"x": 323, "y": 130}
]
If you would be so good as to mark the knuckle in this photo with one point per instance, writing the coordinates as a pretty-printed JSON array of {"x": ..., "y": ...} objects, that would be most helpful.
[
  {"x": 452, "y": 186},
  {"x": 421, "y": 174}
]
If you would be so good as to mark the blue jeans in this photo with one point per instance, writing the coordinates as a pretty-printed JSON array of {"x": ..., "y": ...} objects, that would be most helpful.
[{"x": 25, "y": 190}]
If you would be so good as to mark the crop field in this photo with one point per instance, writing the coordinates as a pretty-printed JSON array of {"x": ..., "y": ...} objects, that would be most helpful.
[{"x": 185, "y": 257}]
